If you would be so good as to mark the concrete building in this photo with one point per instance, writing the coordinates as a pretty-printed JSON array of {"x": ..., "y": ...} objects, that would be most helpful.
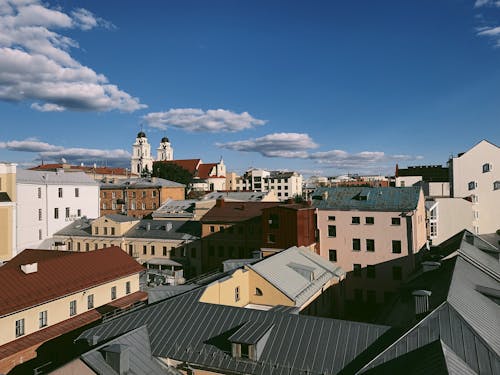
[
  {"x": 49, "y": 201},
  {"x": 371, "y": 233},
  {"x": 8, "y": 216},
  {"x": 138, "y": 197},
  {"x": 46, "y": 294},
  {"x": 476, "y": 174},
  {"x": 286, "y": 184}
]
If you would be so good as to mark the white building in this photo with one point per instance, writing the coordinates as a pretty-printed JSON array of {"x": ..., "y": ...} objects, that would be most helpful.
[
  {"x": 286, "y": 184},
  {"x": 165, "y": 151},
  {"x": 476, "y": 174},
  {"x": 141, "y": 155},
  {"x": 49, "y": 201}
]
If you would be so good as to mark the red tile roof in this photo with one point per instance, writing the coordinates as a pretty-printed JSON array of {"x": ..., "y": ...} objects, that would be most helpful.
[
  {"x": 86, "y": 169},
  {"x": 190, "y": 165},
  {"x": 205, "y": 169},
  {"x": 230, "y": 212},
  {"x": 59, "y": 273}
]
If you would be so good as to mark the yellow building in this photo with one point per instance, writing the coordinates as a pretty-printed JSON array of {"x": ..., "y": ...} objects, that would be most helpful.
[
  {"x": 7, "y": 210},
  {"x": 294, "y": 277},
  {"x": 46, "y": 294}
]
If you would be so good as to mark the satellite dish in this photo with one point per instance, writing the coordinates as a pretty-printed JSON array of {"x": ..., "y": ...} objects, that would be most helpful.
[{"x": 63, "y": 160}]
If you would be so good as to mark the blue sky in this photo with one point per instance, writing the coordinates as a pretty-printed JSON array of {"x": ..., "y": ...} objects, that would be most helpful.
[{"x": 321, "y": 87}]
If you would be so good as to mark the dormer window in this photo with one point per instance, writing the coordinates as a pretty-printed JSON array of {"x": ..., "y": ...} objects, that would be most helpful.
[
  {"x": 258, "y": 292},
  {"x": 472, "y": 185},
  {"x": 486, "y": 167},
  {"x": 248, "y": 341}
]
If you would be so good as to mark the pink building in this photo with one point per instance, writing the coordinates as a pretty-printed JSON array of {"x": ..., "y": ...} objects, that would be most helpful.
[{"x": 372, "y": 233}]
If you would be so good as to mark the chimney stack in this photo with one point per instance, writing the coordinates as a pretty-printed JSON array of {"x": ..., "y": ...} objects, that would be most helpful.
[{"x": 219, "y": 202}]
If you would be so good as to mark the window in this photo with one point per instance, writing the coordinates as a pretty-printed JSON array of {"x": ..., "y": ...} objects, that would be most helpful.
[
  {"x": 67, "y": 212},
  {"x": 143, "y": 206},
  {"x": 77, "y": 192},
  {"x": 113, "y": 194},
  {"x": 397, "y": 273},
  {"x": 79, "y": 212},
  {"x": 96, "y": 231},
  {"x": 164, "y": 251},
  {"x": 39, "y": 191},
  {"x": 236, "y": 294},
  {"x": 127, "y": 287},
  {"x": 355, "y": 220},
  {"x": 87, "y": 246},
  {"x": 42, "y": 319},
  {"x": 496, "y": 185},
  {"x": 19, "y": 327},
  {"x": 72, "y": 308},
  {"x": 105, "y": 231},
  {"x": 396, "y": 247},
  {"x": 60, "y": 192},
  {"x": 331, "y": 218},
  {"x": 96, "y": 246},
  {"x": 153, "y": 194},
  {"x": 402, "y": 184},
  {"x": 144, "y": 250},
  {"x": 104, "y": 206},
  {"x": 274, "y": 221},
  {"x": 113, "y": 205},
  {"x": 332, "y": 231},
  {"x": 144, "y": 194},
  {"x": 133, "y": 194},
  {"x": 433, "y": 229},
  {"x": 371, "y": 297},
  {"x": 486, "y": 167},
  {"x": 152, "y": 249},
  {"x": 370, "y": 245},
  {"x": 40, "y": 235},
  {"x": 212, "y": 228},
  {"x": 472, "y": 185},
  {"x": 369, "y": 220},
  {"x": 332, "y": 255},
  {"x": 39, "y": 214},
  {"x": 172, "y": 251},
  {"x": 78, "y": 246},
  {"x": 271, "y": 238},
  {"x": 90, "y": 301},
  {"x": 396, "y": 221},
  {"x": 113, "y": 292},
  {"x": 56, "y": 213},
  {"x": 357, "y": 269},
  {"x": 221, "y": 229},
  {"x": 112, "y": 231},
  {"x": 370, "y": 271},
  {"x": 258, "y": 292},
  {"x": 356, "y": 244}
]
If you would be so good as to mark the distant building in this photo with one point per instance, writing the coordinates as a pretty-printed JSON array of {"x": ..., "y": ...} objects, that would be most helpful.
[
  {"x": 434, "y": 179},
  {"x": 97, "y": 173},
  {"x": 8, "y": 214},
  {"x": 49, "y": 201},
  {"x": 47, "y": 294},
  {"x": 476, "y": 174},
  {"x": 138, "y": 197},
  {"x": 286, "y": 184}
]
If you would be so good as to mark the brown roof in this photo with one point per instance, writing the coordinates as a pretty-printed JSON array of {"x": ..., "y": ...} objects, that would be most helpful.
[
  {"x": 86, "y": 169},
  {"x": 59, "y": 273},
  {"x": 229, "y": 212},
  {"x": 190, "y": 165}
]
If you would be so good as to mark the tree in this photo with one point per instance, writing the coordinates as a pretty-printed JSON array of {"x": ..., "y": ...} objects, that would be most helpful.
[{"x": 172, "y": 172}]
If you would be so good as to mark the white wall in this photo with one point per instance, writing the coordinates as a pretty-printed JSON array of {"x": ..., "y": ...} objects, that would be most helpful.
[
  {"x": 450, "y": 216},
  {"x": 406, "y": 181}
]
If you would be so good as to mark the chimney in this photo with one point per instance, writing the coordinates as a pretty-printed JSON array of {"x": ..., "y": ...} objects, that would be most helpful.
[
  {"x": 117, "y": 356},
  {"x": 430, "y": 266},
  {"x": 148, "y": 227},
  {"x": 29, "y": 268},
  {"x": 219, "y": 202},
  {"x": 168, "y": 227},
  {"x": 324, "y": 195},
  {"x": 421, "y": 298}
]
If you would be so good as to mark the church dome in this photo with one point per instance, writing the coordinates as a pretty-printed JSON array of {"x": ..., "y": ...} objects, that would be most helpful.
[
  {"x": 141, "y": 134},
  {"x": 165, "y": 139}
]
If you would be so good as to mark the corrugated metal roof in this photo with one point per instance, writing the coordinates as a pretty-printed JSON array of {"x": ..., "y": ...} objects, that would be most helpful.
[
  {"x": 184, "y": 329},
  {"x": 366, "y": 198},
  {"x": 251, "y": 332}
]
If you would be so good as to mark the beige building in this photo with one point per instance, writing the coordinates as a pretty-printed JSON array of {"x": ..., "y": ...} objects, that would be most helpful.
[
  {"x": 7, "y": 211},
  {"x": 476, "y": 174},
  {"x": 371, "y": 233},
  {"x": 46, "y": 294}
]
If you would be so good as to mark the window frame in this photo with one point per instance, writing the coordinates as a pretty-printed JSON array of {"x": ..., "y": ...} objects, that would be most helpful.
[
  {"x": 72, "y": 308},
  {"x": 358, "y": 242},
  {"x": 395, "y": 250},
  {"x": 332, "y": 255},
  {"x": 20, "y": 327},
  {"x": 43, "y": 319},
  {"x": 356, "y": 220}
]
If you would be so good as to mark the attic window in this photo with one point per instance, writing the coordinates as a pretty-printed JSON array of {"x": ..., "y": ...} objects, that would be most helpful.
[
  {"x": 258, "y": 292},
  {"x": 486, "y": 167}
]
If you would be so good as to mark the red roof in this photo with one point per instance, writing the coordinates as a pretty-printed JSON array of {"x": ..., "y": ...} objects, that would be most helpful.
[
  {"x": 230, "y": 212},
  {"x": 190, "y": 165},
  {"x": 59, "y": 273},
  {"x": 205, "y": 169},
  {"x": 86, "y": 169}
]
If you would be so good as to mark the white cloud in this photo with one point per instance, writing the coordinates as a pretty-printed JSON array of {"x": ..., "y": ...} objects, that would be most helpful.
[
  {"x": 483, "y": 3},
  {"x": 36, "y": 65},
  {"x": 49, "y": 152},
  {"x": 492, "y": 33},
  {"x": 197, "y": 120},
  {"x": 285, "y": 145}
]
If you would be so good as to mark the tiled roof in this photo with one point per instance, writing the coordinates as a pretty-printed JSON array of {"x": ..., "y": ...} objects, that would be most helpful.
[
  {"x": 366, "y": 198},
  {"x": 190, "y": 165},
  {"x": 59, "y": 273},
  {"x": 231, "y": 212},
  {"x": 205, "y": 169}
]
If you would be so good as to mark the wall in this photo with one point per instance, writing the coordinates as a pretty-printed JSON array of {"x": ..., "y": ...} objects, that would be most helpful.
[
  {"x": 453, "y": 215},
  {"x": 7, "y": 231},
  {"x": 58, "y": 310},
  {"x": 437, "y": 189},
  {"x": 406, "y": 181}
]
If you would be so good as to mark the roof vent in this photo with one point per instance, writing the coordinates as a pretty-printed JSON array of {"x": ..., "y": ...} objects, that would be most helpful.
[
  {"x": 430, "y": 266},
  {"x": 29, "y": 268},
  {"x": 168, "y": 227},
  {"x": 148, "y": 227},
  {"x": 118, "y": 357},
  {"x": 421, "y": 301}
]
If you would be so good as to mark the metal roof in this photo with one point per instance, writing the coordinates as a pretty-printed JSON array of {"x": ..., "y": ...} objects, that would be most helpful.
[
  {"x": 121, "y": 218},
  {"x": 139, "y": 182},
  {"x": 24, "y": 176},
  {"x": 236, "y": 196},
  {"x": 366, "y": 198},
  {"x": 184, "y": 329},
  {"x": 165, "y": 229},
  {"x": 251, "y": 332}
]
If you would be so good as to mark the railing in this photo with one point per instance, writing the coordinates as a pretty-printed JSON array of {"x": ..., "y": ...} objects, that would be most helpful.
[{"x": 119, "y": 312}]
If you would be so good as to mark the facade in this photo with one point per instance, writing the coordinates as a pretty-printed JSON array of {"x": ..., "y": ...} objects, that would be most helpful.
[
  {"x": 141, "y": 161},
  {"x": 165, "y": 151},
  {"x": 475, "y": 174},
  {"x": 49, "y": 201},
  {"x": 7, "y": 211},
  {"x": 48, "y": 293},
  {"x": 371, "y": 233},
  {"x": 97, "y": 173},
  {"x": 286, "y": 184},
  {"x": 138, "y": 197}
]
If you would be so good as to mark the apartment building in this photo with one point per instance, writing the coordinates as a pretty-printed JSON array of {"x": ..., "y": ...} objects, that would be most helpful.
[
  {"x": 475, "y": 174},
  {"x": 7, "y": 211},
  {"x": 371, "y": 233},
  {"x": 137, "y": 197},
  {"x": 47, "y": 294},
  {"x": 49, "y": 201},
  {"x": 286, "y": 184}
]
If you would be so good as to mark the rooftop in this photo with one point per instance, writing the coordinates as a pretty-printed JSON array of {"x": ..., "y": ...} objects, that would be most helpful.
[
  {"x": 190, "y": 165},
  {"x": 140, "y": 183},
  {"x": 54, "y": 178},
  {"x": 88, "y": 169},
  {"x": 231, "y": 212},
  {"x": 429, "y": 173},
  {"x": 236, "y": 196}
]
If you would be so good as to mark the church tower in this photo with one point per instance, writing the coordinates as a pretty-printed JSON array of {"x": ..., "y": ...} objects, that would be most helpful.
[
  {"x": 165, "y": 151},
  {"x": 141, "y": 162}
]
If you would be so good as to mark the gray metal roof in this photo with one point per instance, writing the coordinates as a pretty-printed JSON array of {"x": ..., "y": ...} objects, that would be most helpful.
[
  {"x": 186, "y": 330},
  {"x": 162, "y": 292},
  {"x": 80, "y": 227},
  {"x": 251, "y": 332},
  {"x": 165, "y": 229},
  {"x": 24, "y": 176},
  {"x": 140, "y": 359},
  {"x": 282, "y": 270},
  {"x": 121, "y": 218},
  {"x": 235, "y": 196},
  {"x": 176, "y": 208},
  {"x": 137, "y": 183},
  {"x": 366, "y": 198}
]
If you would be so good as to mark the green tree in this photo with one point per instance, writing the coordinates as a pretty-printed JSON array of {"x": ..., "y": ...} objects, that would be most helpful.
[{"x": 172, "y": 172}]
